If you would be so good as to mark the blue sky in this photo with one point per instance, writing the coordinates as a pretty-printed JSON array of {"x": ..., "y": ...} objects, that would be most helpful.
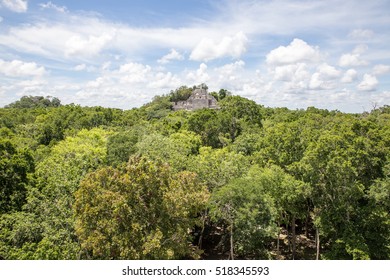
[{"x": 285, "y": 53}]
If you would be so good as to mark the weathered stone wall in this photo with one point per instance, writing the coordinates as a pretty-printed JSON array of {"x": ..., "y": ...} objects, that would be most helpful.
[{"x": 199, "y": 99}]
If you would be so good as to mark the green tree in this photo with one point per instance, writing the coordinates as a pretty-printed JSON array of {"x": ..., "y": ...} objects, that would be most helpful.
[
  {"x": 35, "y": 102},
  {"x": 248, "y": 214},
  {"x": 217, "y": 167},
  {"x": 174, "y": 150},
  {"x": 121, "y": 145},
  {"x": 49, "y": 203},
  {"x": 16, "y": 167},
  {"x": 141, "y": 210},
  {"x": 288, "y": 194}
]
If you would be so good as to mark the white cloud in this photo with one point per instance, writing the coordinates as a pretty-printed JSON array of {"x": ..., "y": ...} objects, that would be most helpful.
[
  {"x": 348, "y": 60},
  {"x": 324, "y": 78},
  {"x": 165, "y": 81},
  {"x": 293, "y": 72},
  {"x": 328, "y": 71},
  {"x": 32, "y": 87},
  {"x": 17, "y": 68},
  {"x": 80, "y": 67},
  {"x": 90, "y": 46},
  {"x": 76, "y": 37},
  {"x": 297, "y": 51},
  {"x": 354, "y": 59},
  {"x": 318, "y": 82},
  {"x": 229, "y": 76},
  {"x": 380, "y": 69},
  {"x": 1, "y": 19},
  {"x": 18, "y": 6},
  {"x": 361, "y": 34},
  {"x": 207, "y": 49},
  {"x": 173, "y": 55},
  {"x": 134, "y": 73},
  {"x": 199, "y": 76},
  {"x": 230, "y": 69},
  {"x": 368, "y": 83},
  {"x": 349, "y": 76},
  {"x": 50, "y": 5}
]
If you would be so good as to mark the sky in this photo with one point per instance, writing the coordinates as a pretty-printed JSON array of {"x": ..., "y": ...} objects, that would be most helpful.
[{"x": 329, "y": 54}]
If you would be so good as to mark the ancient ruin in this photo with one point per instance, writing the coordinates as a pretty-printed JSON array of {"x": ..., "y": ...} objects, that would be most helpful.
[{"x": 199, "y": 99}]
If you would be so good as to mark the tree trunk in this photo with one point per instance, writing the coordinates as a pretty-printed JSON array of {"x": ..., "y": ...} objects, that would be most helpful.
[
  {"x": 278, "y": 241},
  {"x": 307, "y": 224},
  {"x": 288, "y": 238},
  {"x": 231, "y": 242},
  {"x": 293, "y": 236},
  {"x": 318, "y": 243},
  {"x": 201, "y": 233}
]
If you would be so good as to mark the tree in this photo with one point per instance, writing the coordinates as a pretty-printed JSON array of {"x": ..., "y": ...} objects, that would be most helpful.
[
  {"x": 247, "y": 213},
  {"x": 141, "y": 210},
  {"x": 180, "y": 94},
  {"x": 174, "y": 150},
  {"x": 288, "y": 194},
  {"x": 16, "y": 167},
  {"x": 217, "y": 167},
  {"x": 49, "y": 202},
  {"x": 335, "y": 194},
  {"x": 35, "y": 102},
  {"x": 242, "y": 108},
  {"x": 121, "y": 145},
  {"x": 205, "y": 123}
]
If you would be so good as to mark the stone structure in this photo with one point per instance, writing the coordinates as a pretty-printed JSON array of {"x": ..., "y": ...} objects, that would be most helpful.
[{"x": 199, "y": 99}]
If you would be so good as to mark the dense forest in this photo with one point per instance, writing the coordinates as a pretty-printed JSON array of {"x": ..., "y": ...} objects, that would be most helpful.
[{"x": 240, "y": 182}]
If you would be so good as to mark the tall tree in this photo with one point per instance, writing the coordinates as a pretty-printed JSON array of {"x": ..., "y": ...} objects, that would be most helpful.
[
  {"x": 247, "y": 213},
  {"x": 141, "y": 210},
  {"x": 16, "y": 167}
]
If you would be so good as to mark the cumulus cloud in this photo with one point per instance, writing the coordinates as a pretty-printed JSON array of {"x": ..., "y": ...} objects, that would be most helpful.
[
  {"x": 30, "y": 87},
  {"x": 353, "y": 59},
  {"x": 297, "y": 51},
  {"x": 324, "y": 78},
  {"x": 134, "y": 72},
  {"x": 368, "y": 83},
  {"x": 328, "y": 71},
  {"x": 198, "y": 76},
  {"x": 208, "y": 49},
  {"x": 18, "y": 6},
  {"x": 50, "y": 5},
  {"x": 381, "y": 69},
  {"x": 318, "y": 82},
  {"x": 172, "y": 55},
  {"x": 89, "y": 46},
  {"x": 349, "y": 76},
  {"x": 348, "y": 60},
  {"x": 17, "y": 68},
  {"x": 165, "y": 81},
  {"x": 292, "y": 72},
  {"x": 229, "y": 75}
]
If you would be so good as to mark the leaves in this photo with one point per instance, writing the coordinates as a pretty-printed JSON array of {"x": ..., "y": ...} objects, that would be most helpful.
[{"x": 139, "y": 211}]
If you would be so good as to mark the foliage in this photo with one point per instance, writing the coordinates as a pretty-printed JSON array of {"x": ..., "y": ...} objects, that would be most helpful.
[
  {"x": 138, "y": 211},
  {"x": 49, "y": 203},
  {"x": 35, "y": 102},
  {"x": 152, "y": 183},
  {"x": 248, "y": 214},
  {"x": 15, "y": 168}
]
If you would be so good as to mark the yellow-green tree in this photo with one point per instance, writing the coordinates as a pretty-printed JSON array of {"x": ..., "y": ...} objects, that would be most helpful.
[{"x": 141, "y": 210}]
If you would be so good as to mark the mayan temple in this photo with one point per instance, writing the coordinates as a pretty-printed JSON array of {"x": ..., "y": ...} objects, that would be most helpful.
[{"x": 199, "y": 99}]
